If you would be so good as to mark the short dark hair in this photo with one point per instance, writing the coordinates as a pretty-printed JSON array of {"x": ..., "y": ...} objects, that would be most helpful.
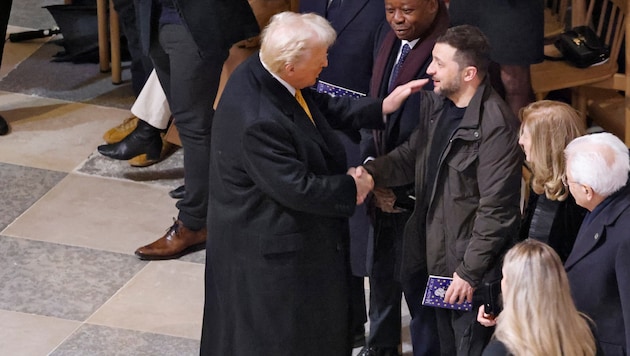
[{"x": 473, "y": 48}]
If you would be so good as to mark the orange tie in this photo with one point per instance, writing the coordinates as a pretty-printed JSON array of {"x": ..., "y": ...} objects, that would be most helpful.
[{"x": 302, "y": 102}]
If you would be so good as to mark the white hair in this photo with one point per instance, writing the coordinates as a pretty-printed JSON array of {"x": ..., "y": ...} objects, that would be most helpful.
[
  {"x": 599, "y": 160},
  {"x": 290, "y": 34}
]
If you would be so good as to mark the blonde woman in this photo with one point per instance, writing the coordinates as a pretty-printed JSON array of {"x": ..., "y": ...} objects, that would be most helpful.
[
  {"x": 551, "y": 214},
  {"x": 539, "y": 317}
]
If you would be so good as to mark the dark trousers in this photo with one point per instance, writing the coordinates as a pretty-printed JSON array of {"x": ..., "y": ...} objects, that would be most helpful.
[
  {"x": 141, "y": 65},
  {"x": 385, "y": 288},
  {"x": 5, "y": 11},
  {"x": 460, "y": 333},
  {"x": 190, "y": 82},
  {"x": 423, "y": 326}
]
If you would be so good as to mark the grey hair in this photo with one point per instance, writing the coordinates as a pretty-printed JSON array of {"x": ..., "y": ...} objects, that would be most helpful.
[
  {"x": 599, "y": 160},
  {"x": 289, "y": 35}
]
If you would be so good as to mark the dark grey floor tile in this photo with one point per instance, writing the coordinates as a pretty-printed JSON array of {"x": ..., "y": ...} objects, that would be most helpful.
[
  {"x": 21, "y": 187},
  {"x": 57, "y": 280},
  {"x": 97, "y": 340}
]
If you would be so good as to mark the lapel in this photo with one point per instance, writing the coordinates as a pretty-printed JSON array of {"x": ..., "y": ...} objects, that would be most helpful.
[
  {"x": 594, "y": 234},
  {"x": 282, "y": 99}
]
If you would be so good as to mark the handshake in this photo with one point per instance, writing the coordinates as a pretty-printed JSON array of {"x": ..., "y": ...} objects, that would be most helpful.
[
  {"x": 363, "y": 180},
  {"x": 383, "y": 198}
]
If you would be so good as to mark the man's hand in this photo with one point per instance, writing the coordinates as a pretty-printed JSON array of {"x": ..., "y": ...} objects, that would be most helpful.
[
  {"x": 384, "y": 199},
  {"x": 459, "y": 291},
  {"x": 395, "y": 99},
  {"x": 363, "y": 181}
]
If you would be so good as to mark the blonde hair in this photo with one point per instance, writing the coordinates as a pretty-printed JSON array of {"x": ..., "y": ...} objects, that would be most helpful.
[
  {"x": 289, "y": 35},
  {"x": 539, "y": 317},
  {"x": 552, "y": 125}
]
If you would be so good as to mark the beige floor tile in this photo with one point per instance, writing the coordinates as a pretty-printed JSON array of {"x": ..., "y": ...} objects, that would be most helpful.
[
  {"x": 27, "y": 334},
  {"x": 166, "y": 297},
  {"x": 14, "y": 53},
  {"x": 100, "y": 213},
  {"x": 53, "y": 134}
]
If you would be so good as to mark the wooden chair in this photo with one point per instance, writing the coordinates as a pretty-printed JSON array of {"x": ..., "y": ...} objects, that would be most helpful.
[
  {"x": 555, "y": 14},
  {"x": 609, "y": 100},
  {"x": 610, "y": 26}
]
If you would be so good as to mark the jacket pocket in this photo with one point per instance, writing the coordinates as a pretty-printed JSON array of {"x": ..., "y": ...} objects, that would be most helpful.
[
  {"x": 462, "y": 174},
  {"x": 278, "y": 244}
]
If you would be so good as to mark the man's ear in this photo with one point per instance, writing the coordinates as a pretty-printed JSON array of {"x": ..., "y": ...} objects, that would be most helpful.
[
  {"x": 588, "y": 191},
  {"x": 470, "y": 73}
]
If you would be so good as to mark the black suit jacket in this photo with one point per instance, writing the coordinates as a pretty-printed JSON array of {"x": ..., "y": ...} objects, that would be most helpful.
[
  {"x": 279, "y": 202},
  {"x": 213, "y": 24}
]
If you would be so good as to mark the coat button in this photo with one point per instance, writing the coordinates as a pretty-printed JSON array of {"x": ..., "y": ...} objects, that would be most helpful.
[
  {"x": 476, "y": 134},
  {"x": 596, "y": 236}
]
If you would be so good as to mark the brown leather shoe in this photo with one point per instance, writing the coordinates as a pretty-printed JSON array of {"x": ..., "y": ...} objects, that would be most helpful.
[
  {"x": 116, "y": 134},
  {"x": 178, "y": 241}
]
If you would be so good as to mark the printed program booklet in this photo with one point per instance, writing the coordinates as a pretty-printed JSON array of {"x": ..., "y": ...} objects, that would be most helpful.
[
  {"x": 435, "y": 292},
  {"x": 335, "y": 90}
]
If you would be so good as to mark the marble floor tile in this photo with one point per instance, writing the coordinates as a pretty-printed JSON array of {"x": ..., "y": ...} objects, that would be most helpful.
[
  {"x": 21, "y": 187},
  {"x": 32, "y": 335},
  {"x": 100, "y": 213},
  {"x": 58, "y": 280},
  {"x": 94, "y": 340},
  {"x": 166, "y": 297},
  {"x": 53, "y": 134}
]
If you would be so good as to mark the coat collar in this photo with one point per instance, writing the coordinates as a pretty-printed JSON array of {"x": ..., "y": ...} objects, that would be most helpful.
[
  {"x": 280, "y": 96},
  {"x": 594, "y": 234}
]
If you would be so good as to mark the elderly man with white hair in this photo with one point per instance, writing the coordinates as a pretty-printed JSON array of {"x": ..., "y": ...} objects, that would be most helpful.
[{"x": 599, "y": 264}]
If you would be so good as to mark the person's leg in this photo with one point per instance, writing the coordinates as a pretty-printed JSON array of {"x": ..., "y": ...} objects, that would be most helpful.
[
  {"x": 141, "y": 64},
  {"x": 517, "y": 83},
  {"x": 470, "y": 336},
  {"x": 193, "y": 82},
  {"x": 5, "y": 11},
  {"x": 385, "y": 289},
  {"x": 151, "y": 104},
  {"x": 424, "y": 326},
  {"x": 190, "y": 83}
]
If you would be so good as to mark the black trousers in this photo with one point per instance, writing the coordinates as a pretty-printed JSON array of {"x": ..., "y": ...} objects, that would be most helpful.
[
  {"x": 5, "y": 11},
  {"x": 190, "y": 82},
  {"x": 385, "y": 288}
]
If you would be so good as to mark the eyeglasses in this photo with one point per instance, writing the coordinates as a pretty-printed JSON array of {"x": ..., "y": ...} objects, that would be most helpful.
[{"x": 566, "y": 181}]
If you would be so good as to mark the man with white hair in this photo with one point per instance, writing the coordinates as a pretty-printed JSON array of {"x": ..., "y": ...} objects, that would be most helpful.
[
  {"x": 599, "y": 264},
  {"x": 280, "y": 198}
]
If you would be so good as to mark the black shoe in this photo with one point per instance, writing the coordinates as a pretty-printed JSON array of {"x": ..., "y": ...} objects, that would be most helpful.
[
  {"x": 4, "y": 126},
  {"x": 178, "y": 193},
  {"x": 378, "y": 351},
  {"x": 145, "y": 139}
]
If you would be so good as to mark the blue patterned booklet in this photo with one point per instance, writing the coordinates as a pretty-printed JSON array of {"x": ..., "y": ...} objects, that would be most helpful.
[
  {"x": 435, "y": 292},
  {"x": 335, "y": 90}
]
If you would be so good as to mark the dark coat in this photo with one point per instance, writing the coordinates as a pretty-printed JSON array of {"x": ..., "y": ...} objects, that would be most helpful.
[
  {"x": 599, "y": 273},
  {"x": 356, "y": 26},
  {"x": 473, "y": 211},
  {"x": 555, "y": 223},
  {"x": 279, "y": 202},
  {"x": 214, "y": 24}
]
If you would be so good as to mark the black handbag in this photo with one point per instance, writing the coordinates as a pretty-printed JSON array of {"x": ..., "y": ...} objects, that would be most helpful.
[{"x": 581, "y": 47}]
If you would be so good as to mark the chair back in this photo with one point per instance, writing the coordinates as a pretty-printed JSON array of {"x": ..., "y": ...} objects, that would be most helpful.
[{"x": 608, "y": 21}]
